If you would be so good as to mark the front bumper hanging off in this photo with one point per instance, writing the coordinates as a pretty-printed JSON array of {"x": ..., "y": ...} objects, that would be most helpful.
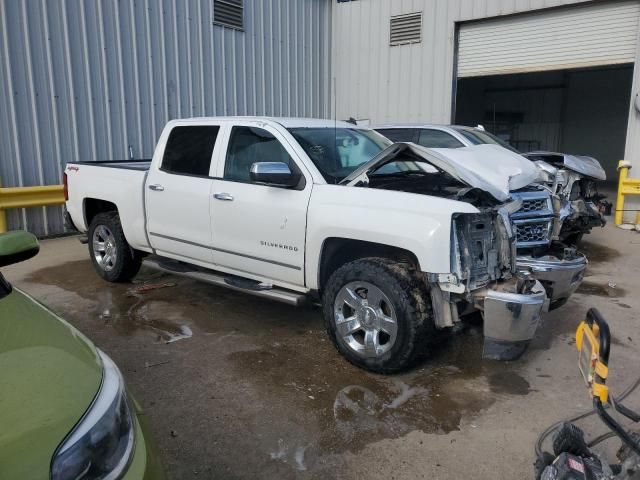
[
  {"x": 560, "y": 277},
  {"x": 512, "y": 311}
]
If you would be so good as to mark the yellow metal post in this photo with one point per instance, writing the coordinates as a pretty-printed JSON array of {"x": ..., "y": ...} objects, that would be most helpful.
[
  {"x": 623, "y": 172},
  {"x": 626, "y": 186}
]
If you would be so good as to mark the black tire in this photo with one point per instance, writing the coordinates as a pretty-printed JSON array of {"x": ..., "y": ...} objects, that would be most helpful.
[
  {"x": 127, "y": 260},
  {"x": 411, "y": 303}
]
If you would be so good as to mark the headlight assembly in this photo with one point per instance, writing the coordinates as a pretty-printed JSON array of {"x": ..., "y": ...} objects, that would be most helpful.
[{"x": 101, "y": 444}]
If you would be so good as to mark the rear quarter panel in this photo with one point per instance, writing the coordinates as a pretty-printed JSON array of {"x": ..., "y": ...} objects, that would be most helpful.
[
  {"x": 420, "y": 224},
  {"x": 123, "y": 187}
]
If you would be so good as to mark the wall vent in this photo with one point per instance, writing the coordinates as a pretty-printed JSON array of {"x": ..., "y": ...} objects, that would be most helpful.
[
  {"x": 405, "y": 29},
  {"x": 228, "y": 13}
]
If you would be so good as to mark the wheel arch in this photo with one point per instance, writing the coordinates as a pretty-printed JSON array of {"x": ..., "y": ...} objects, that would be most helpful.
[
  {"x": 93, "y": 206},
  {"x": 337, "y": 251}
]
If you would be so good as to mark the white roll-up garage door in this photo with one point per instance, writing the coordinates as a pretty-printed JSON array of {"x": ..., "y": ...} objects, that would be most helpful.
[{"x": 602, "y": 33}]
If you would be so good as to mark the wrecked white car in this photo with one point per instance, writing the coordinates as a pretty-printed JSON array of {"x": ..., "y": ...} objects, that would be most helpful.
[
  {"x": 394, "y": 240},
  {"x": 556, "y": 209},
  {"x": 573, "y": 181},
  {"x": 570, "y": 178}
]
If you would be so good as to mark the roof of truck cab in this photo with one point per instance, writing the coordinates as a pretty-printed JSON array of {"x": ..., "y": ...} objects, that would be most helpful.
[{"x": 287, "y": 122}]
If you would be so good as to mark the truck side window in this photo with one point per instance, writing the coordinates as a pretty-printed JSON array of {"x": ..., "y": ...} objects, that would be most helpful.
[
  {"x": 249, "y": 145},
  {"x": 189, "y": 150},
  {"x": 438, "y": 139}
]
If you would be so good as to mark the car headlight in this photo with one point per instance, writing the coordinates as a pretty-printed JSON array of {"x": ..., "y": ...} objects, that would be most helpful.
[{"x": 101, "y": 444}]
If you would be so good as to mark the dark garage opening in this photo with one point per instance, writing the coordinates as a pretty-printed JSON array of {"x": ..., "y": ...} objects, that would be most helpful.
[{"x": 582, "y": 112}]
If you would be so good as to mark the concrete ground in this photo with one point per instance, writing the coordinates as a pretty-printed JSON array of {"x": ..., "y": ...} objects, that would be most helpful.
[{"x": 237, "y": 387}]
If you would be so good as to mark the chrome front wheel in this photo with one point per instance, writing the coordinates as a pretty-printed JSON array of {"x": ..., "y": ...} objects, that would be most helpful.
[
  {"x": 365, "y": 319},
  {"x": 377, "y": 313}
]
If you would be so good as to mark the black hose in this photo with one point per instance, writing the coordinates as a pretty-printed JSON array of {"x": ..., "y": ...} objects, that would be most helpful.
[
  {"x": 542, "y": 437},
  {"x": 627, "y": 412},
  {"x": 600, "y": 439},
  {"x": 630, "y": 414},
  {"x": 610, "y": 422}
]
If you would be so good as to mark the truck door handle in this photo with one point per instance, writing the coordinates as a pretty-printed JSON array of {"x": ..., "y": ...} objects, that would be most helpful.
[
  {"x": 156, "y": 188},
  {"x": 223, "y": 196}
]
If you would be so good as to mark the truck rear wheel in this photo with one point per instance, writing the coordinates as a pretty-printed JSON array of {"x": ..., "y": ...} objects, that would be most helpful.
[
  {"x": 377, "y": 314},
  {"x": 111, "y": 255}
]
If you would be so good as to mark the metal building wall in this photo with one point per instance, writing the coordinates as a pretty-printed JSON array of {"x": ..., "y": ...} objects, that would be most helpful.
[
  {"x": 409, "y": 82},
  {"x": 415, "y": 82},
  {"x": 85, "y": 79}
]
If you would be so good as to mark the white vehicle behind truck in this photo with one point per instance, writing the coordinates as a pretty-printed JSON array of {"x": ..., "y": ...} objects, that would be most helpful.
[{"x": 396, "y": 241}]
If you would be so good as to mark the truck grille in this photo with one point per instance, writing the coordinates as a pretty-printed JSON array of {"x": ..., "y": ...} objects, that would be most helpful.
[
  {"x": 529, "y": 234},
  {"x": 532, "y": 224},
  {"x": 533, "y": 205}
]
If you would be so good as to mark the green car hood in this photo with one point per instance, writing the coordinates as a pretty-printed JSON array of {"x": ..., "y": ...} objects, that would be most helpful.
[{"x": 49, "y": 374}]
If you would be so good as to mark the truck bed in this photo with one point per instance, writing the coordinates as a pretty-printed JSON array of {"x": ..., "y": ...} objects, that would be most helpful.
[
  {"x": 120, "y": 182},
  {"x": 141, "y": 165}
]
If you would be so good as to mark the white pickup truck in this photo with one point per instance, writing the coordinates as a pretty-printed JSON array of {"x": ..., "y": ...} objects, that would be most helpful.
[{"x": 395, "y": 240}]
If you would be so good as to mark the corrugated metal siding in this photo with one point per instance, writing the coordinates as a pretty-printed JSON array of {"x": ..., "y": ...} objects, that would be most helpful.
[
  {"x": 585, "y": 36},
  {"x": 415, "y": 82},
  {"x": 85, "y": 80},
  {"x": 410, "y": 82}
]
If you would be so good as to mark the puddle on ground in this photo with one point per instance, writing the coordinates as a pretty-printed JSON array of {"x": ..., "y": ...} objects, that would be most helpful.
[
  {"x": 509, "y": 382},
  {"x": 294, "y": 368},
  {"x": 352, "y": 408},
  {"x": 171, "y": 311},
  {"x": 600, "y": 290},
  {"x": 597, "y": 253}
]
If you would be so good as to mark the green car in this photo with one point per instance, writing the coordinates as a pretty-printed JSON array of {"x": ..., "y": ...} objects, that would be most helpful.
[{"x": 64, "y": 410}]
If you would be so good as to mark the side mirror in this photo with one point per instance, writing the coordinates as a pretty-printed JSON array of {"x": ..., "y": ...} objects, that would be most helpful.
[
  {"x": 17, "y": 246},
  {"x": 275, "y": 174}
]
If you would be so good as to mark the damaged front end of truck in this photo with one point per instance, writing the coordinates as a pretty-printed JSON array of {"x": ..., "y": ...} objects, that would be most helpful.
[
  {"x": 484, "y": 273},
  {"x": 485, "y": 261}
]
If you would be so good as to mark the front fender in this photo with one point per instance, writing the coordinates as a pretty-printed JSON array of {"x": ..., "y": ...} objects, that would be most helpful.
[{"x": 420, "y": 224}]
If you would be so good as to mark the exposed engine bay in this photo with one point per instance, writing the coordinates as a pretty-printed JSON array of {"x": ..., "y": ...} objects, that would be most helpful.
[
  {"x": 483, "y": 244},
  {"x": 437, "y": 184},
  {"x": 410, "y": 172}
]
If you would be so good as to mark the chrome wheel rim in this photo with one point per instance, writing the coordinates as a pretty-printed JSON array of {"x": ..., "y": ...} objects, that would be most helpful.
[
  {"x": 105, "y": 251},
  {"x": 365, "y": 319}
]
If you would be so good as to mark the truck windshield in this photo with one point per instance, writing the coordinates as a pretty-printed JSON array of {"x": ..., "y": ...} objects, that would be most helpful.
[
  {"x": 479, "y": 137},
  {"x": 337, "y": 152}
]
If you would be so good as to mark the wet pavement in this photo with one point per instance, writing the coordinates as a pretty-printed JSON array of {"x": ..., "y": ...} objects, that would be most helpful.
[{"x": 238, "y": 387}]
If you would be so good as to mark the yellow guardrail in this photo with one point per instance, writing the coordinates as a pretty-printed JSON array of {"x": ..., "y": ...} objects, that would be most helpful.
[
  {"x": 626, "y": 186},
  {"x": 27, "y": 197}
]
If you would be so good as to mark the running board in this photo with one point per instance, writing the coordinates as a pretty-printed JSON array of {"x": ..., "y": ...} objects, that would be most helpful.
[{"x": 227, "y": 281}]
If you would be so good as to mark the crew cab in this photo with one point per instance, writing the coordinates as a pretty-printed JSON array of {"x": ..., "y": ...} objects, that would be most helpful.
[
  {"x": 555, "y": 212},
  {"x": 395, "y": 241}
]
